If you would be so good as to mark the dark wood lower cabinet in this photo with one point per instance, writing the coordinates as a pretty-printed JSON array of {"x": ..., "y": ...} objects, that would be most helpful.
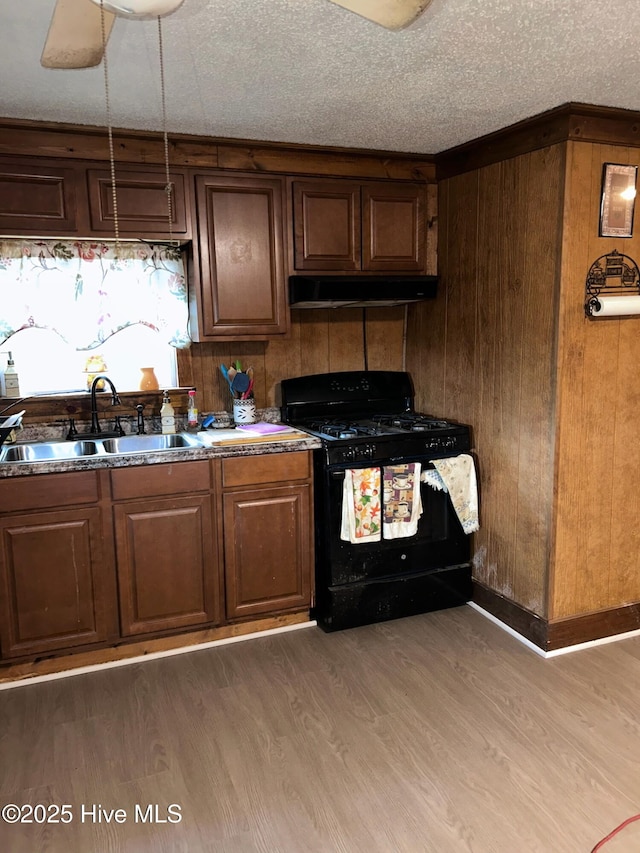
[
  {"x": 268, "y": 533},
  {"x": 167, "y": 564},
  {"x": 267, "y": 553},
  {"x": 98, "y": 557},
  {"x": 53, "y": 593}
]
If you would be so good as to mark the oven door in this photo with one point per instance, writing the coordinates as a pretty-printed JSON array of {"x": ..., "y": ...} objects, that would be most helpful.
[{"x": 438, "y": 543}]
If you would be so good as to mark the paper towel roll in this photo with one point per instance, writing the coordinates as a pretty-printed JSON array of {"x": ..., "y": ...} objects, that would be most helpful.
[{"x": 614, "y": 306}]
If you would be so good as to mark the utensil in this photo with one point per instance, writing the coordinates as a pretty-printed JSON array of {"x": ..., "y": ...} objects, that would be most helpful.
[
  {"x": 225, "y": 373},
  {"x": 240, "y": 383},
  {"x": 247, "y": 393}
]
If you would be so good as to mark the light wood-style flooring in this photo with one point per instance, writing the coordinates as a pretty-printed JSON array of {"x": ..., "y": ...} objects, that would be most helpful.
[{"x": 431, "y": 734}]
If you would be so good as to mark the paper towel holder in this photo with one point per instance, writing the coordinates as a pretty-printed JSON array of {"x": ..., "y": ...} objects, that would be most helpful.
[{"x": 610, "y": 275}]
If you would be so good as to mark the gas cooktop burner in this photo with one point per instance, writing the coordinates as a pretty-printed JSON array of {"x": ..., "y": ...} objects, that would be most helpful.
[
  {"x": 334, "y": 429},
  {"x": 377, "y": 426},
  {"x": 412, "y": 422}
]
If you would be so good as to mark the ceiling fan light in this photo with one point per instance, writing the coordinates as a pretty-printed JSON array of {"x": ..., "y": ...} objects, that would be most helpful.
[{"x": 140, "y": 9}]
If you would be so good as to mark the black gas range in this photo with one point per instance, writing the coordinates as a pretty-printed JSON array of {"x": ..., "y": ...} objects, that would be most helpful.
[{"x": 366, "y": 420}]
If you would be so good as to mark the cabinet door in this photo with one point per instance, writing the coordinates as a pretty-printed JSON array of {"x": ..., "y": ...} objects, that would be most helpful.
[
  {"x": 393, "y": 227},
  {"x": 52, "y": 594},
  {"x": 326, "y": 219},
  {"x": 167, "y": 564},
  {"x": 267, "y": 535},
  {"x": 40, "y": 199},
  {"x": 142, "y": 202},
  {"x": 242, "y": 277}
]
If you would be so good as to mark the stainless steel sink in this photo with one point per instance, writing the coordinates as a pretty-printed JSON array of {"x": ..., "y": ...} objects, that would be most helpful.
[
  {"x": 48, "y": 450},
  {"x": 149, "y": 443}
]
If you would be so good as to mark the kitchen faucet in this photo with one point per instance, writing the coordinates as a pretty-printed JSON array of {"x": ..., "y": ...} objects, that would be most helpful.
[{"x": 115, "y": 401}]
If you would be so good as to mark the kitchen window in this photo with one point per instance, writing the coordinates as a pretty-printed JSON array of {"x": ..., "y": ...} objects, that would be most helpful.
[{"x": 65, "y": 305}]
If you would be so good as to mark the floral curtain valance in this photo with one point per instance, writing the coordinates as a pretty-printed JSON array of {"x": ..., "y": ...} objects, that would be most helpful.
[{"x": 87, "y": 291}]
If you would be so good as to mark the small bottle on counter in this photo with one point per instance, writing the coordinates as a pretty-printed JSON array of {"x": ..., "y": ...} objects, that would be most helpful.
[
  {"x": 167, "y": 415},
  {"x": 11, "y": 383},
  {"x": 192, "y": 412}
]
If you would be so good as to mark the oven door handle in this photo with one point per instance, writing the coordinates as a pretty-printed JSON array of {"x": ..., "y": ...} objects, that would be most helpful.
[{"x": 337, "y": 475}]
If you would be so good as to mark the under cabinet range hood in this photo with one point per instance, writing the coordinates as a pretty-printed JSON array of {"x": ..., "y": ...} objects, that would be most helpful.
[{"x": 336, "y": 291}]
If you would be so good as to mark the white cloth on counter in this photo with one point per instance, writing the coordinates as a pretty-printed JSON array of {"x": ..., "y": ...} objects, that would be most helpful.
[{"x": 457, "y": 476}]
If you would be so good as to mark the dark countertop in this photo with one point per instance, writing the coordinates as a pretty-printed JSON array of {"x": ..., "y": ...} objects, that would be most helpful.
[{"x": 89, "y": 463}]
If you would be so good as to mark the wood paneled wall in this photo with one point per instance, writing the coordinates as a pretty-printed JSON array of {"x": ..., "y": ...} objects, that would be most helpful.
[
  {"x": 320, "y": 340},
  {"x": 484, "y": 354},
  {"x": 597, "y": 546},
  {"x": 553, "y": 397}
]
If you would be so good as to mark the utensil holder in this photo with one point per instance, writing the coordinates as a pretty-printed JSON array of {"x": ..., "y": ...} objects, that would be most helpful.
[{"x": 244, "y": 411}]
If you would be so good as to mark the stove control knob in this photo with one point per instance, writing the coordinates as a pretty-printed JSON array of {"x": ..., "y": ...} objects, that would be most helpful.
[{"x": 450, "y": 442}]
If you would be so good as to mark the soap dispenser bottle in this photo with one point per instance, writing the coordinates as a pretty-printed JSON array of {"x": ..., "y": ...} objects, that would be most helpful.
[
  {"x": 11, "y": 383},
  {"x": 167, "y": 415}
]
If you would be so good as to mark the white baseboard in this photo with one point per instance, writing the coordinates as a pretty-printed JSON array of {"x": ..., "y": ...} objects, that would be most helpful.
[
  {"x": 82, "y": 670},
  {"x": 554, "y": 652}
]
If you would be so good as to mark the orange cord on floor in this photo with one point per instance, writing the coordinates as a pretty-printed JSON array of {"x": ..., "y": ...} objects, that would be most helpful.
[{"x": 615, "y": 832}]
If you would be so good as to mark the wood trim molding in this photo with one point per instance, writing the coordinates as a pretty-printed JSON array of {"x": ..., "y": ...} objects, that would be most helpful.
[
  {"x": 10, "y": 672},
  {"x": 592, "y": 626},
  {"x": 78, "y": 142},
  {"x": 559, "y": 633},
  {"x": 531, "y": 626},
  {"x": 578, "y": 122}
]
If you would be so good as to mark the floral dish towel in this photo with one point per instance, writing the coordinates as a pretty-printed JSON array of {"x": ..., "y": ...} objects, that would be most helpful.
[{"x": 361, "y": 505}]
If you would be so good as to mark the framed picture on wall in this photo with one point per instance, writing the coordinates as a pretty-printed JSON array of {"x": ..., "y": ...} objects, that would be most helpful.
[{"x": 618, "y": 200}]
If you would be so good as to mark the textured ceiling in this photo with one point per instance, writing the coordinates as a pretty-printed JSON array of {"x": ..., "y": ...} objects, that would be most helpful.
[{"x": 309, "y": 71}]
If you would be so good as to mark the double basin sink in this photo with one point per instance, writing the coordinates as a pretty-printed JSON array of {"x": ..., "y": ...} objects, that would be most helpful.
[{"x": 90, "y": 448}]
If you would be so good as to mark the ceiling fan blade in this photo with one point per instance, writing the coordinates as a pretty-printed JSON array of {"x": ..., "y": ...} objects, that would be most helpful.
[
  {"x": 140, "y": 10},
  {"x": 391, "y": 14},
  {"x": 74, "y": 39}
]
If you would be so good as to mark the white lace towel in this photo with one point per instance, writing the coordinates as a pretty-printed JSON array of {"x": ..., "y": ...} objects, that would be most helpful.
[{"x": 457, "y": 476}]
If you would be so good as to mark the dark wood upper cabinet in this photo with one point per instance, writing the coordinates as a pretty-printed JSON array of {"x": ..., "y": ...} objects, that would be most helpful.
[
  {"x": 241, "y": 291},
  {"x": 327, "y": 229},
  {"x": 352, "y": 227},
  {"x": 142, "y": 202},
  {"x": 393, "y": 227},
  {"x": 40, "y": 198}
]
